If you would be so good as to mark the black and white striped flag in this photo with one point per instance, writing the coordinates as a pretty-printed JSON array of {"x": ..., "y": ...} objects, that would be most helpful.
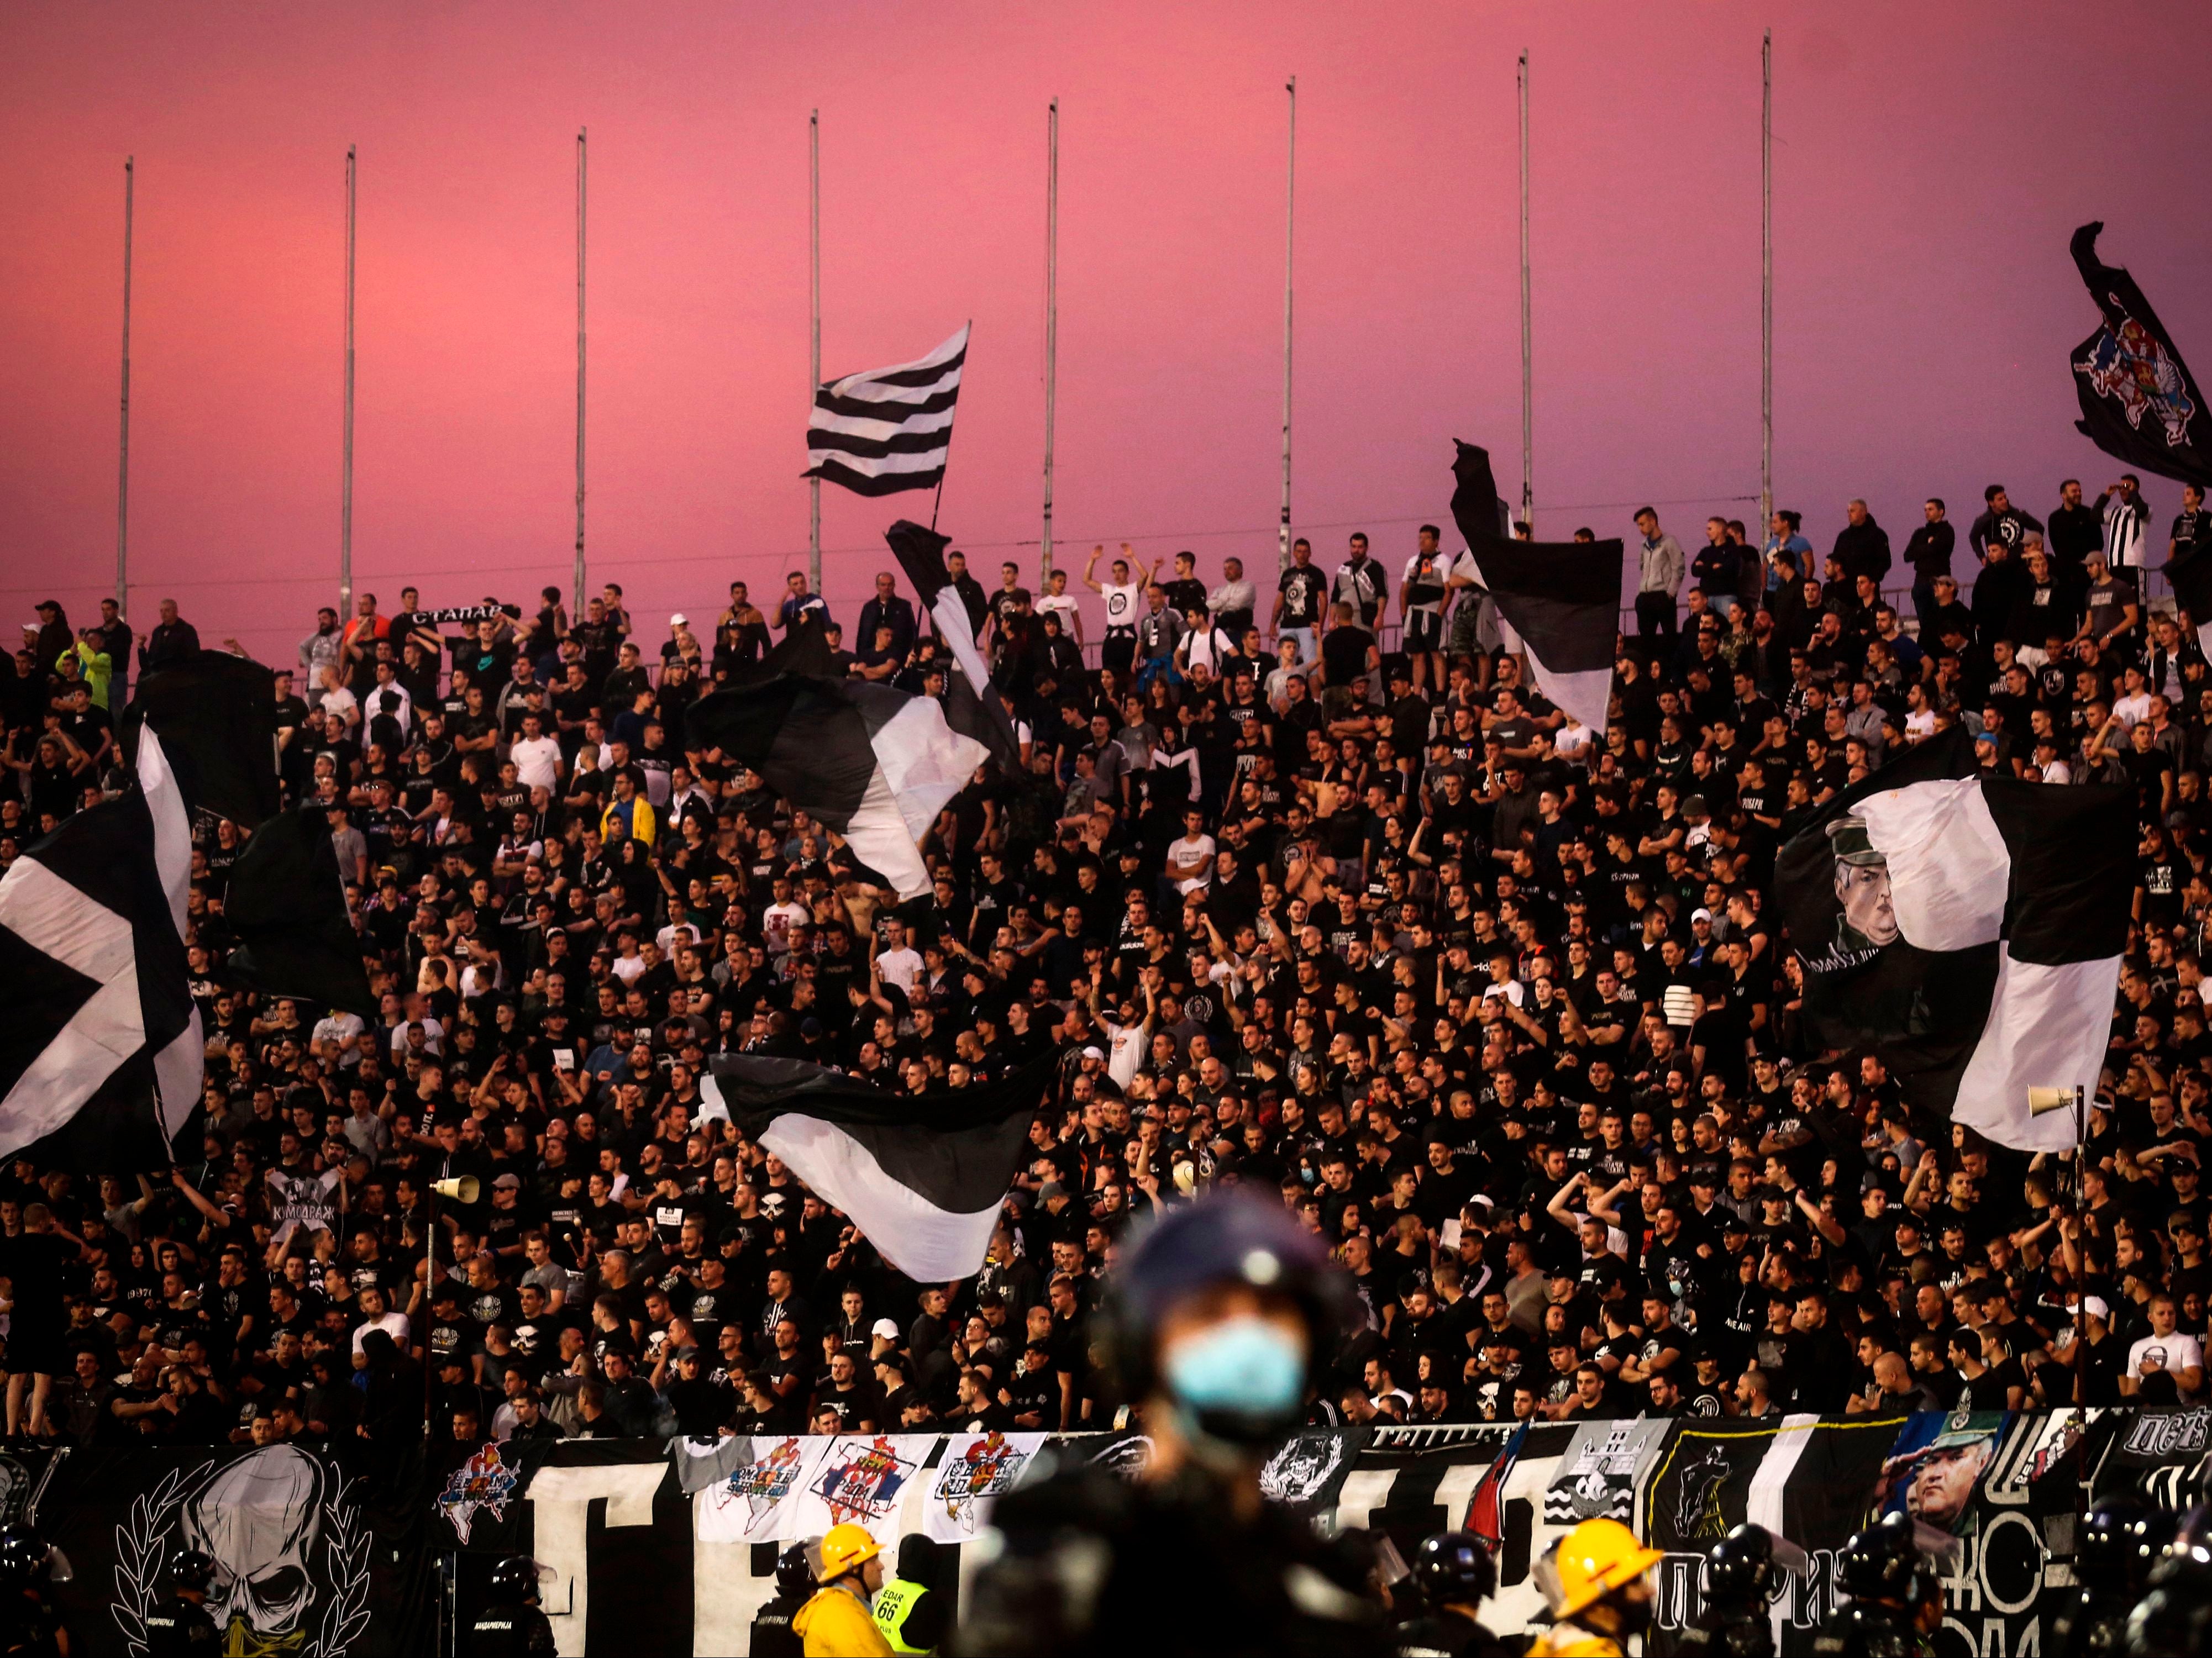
[
  {"x": 1968, "y": 928},
  {"x": 887, "y": 429}
]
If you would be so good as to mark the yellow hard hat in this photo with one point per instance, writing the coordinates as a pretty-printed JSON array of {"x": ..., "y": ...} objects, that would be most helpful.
[
  {"x": 1594, "y": 1559},
  {"x": 848, "y": 1548}
]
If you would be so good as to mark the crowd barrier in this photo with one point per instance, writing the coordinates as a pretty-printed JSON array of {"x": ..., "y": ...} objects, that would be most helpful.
[{"x": 671, "y": 1548}]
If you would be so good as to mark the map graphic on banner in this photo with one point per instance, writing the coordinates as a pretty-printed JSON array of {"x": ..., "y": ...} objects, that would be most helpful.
[
  {"x": 863, "y": 1480},
  {"x": 972, "y": 1472},
  {"x": 486, "y": 1483},
  {"x": 1597, "y": 1476},
  {"x": 752, "y": 1501}
]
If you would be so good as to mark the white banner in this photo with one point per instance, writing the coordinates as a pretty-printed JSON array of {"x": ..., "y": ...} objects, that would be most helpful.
[
  {"x": 756, "y": 1500},
  {"x": 974, "y": 1471}
]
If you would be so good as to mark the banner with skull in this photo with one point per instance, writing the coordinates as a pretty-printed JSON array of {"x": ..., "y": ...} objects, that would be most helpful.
[
  {"x": 297, "y": 1568},
  {"x": 310, "y": 1564}
]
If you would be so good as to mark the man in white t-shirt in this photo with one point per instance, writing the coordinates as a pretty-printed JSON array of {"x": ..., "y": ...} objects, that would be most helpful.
[
  {"x": 344, "y": 1032},
  {"x": 536, "y": 756},
  {"x": 778, "y": 919},
  {"x": 898, "y": 961},
  {"x": 1056, "y": 600},
  {"x": 1190, "y": 860},
  {"x": 2167, "y": 1351},
  {"x": 337, "y": 700},
  {"x": 375, "y": 1316}
]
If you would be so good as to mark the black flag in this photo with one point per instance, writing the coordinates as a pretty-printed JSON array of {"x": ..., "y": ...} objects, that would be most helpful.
[
  {"x": 217, "y": 716},
  {"x": 971, "y": 706},
  {"x": 286, "y": 904},
  {"x": 872, "y": 763},
  {"x": 2139, "y": 402},
  {"x": 923, "y": 1176},
  {"x": 1563, "y": 597}
]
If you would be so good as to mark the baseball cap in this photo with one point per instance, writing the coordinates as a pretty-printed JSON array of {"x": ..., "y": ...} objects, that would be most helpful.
[
  {"x": 885, "y": 1328},
  {"x": 512, "y": 1182},
  {"x": 679, "y": 620},
  {"x": 2094, "y": 1307},
  {"x": 1094, "y": 1052}
]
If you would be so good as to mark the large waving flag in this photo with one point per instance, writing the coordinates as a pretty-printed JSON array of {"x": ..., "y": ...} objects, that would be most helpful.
[
  {"x": 923, "y": 1176},
  {"x": 1968, "y": 928}
]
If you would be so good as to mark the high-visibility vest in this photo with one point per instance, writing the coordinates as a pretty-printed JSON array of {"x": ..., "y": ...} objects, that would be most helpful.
[{"x": 895, "y": 1602}]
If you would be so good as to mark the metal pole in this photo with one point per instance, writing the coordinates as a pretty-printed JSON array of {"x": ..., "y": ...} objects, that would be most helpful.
[
  {"x": 814, "y": 359},
  {"x": 123, "y": 459},
  {"x": 2081, "y": 1302},
  {"x": 1051, "y": 314},
  {"x": 1528, "y": 375},
  {"x": 1289, "y": 249},
  {"x": 345, "y": 464},
  {"x": 578, "y": 610},
  {"x": 1767, "y": 286}
]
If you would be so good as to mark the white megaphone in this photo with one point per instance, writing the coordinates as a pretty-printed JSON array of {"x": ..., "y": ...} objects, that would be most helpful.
[
  {"x": 2041, "y": 1100},
  {"x": 462, "y": 1188}
]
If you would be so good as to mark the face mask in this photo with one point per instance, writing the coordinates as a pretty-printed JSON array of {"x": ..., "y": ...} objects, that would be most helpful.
[{"x": 1244, "y": 1370}]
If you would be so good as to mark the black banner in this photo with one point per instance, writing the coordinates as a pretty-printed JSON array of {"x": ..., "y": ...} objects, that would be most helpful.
[{"x": 299, "y": 1569}]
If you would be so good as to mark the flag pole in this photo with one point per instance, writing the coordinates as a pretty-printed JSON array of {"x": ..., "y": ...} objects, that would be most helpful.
[
  {"x": 1766, "y": 285},
  {"x": 123, "y": 459},
  {"x": 2081, "y": 1305},
  {"x": 814, "y": 360},
  {"x": 1290, "y": 239},
  {"x": 1051, "y": 314},
  {"x": 581, "y": 170},
  {"x": 939, "y": 502},
  {"x": 346, "y": 456},
  {"x": 1528, "y": 379}
]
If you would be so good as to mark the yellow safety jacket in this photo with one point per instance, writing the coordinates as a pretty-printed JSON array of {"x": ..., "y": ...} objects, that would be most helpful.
[{"x": 895, "y": 1604}]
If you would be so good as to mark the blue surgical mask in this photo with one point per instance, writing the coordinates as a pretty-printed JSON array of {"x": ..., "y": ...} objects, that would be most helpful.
[{"x": 1245, "y": 1367}]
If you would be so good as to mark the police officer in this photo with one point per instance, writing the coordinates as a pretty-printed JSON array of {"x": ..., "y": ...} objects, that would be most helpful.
[
  {"x": 28, "y": 1624},
  {"x": 178, "y": 1625},
  {"x": 1455, "y": 1573},
  {"x": 773, "y": 1636},
  {"x": 2122, "y": 1538},
  {"x": 836, "y": 1622},
  {"x": 909, "y": 1609},
  {"x": 1218, "y": 1320},
  {"x": 512, "y": 1626},
  {"x": 1897, "y": 1598},
  {"x": 2175, "y": 1619},
  {"x": 1741, "y": 1584},
  {"x": 1597, "y": 1581}
]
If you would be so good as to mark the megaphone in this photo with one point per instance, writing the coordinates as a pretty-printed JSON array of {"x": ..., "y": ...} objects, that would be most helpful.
[
  {"x": 2041, "y": 1100},
  {"x": 462, "y": 1188}
]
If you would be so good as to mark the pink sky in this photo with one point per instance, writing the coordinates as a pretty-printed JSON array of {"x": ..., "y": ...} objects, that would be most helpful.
[{"x": 1930, "y": 162}]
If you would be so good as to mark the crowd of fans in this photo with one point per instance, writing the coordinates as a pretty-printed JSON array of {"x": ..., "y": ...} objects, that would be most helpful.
[{"x": 1320, "y": 891}]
